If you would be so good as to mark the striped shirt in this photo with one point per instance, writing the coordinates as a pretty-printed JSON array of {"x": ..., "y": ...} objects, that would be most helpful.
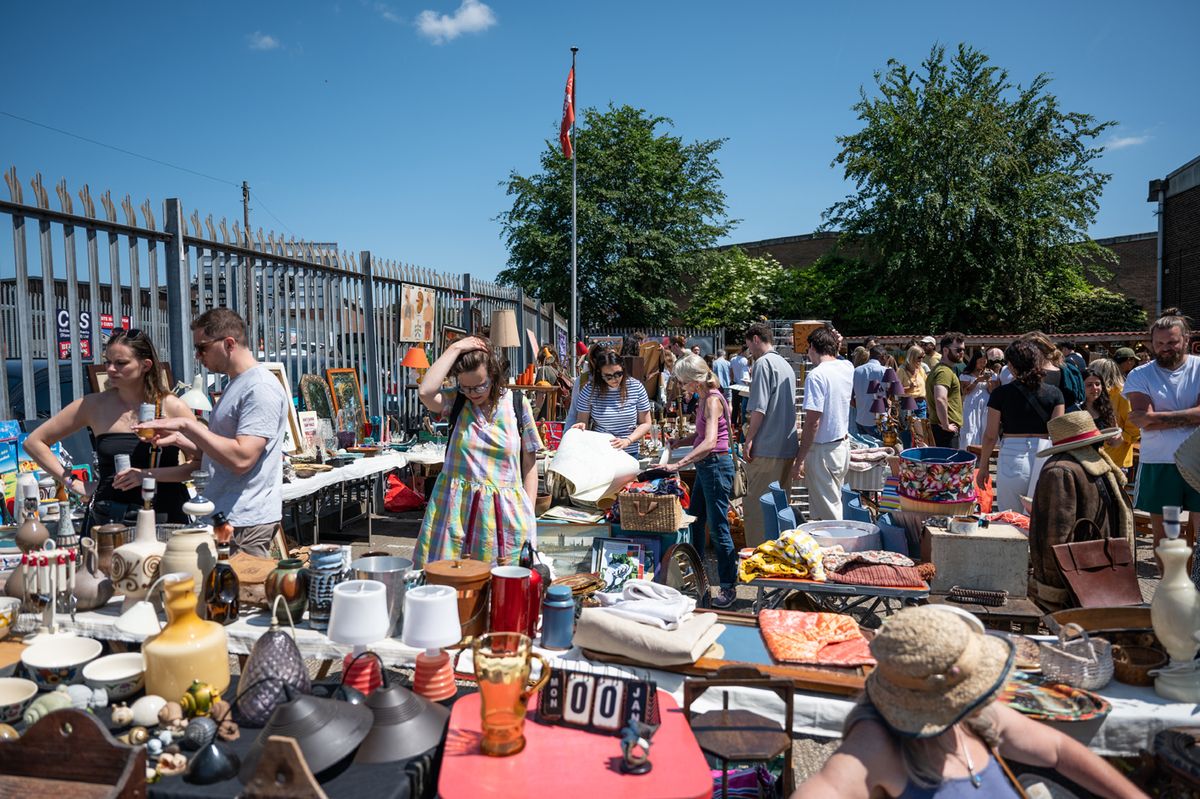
[{"x": 608, "y": 414}]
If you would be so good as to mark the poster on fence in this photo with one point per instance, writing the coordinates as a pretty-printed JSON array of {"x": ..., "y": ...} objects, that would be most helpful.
[{"x": 417, "y": 308}]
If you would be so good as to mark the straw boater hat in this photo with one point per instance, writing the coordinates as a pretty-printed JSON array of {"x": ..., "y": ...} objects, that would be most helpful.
[
  {"x": 934, "y": 668},
  {"x": 1074, "y": 430}
]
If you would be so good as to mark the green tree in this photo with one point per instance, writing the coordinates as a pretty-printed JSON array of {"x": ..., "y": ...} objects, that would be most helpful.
[
  {"x": 732, "y": 289},
  {"x": 649, "y": 205},
  {"x": 973, "y": 197}
]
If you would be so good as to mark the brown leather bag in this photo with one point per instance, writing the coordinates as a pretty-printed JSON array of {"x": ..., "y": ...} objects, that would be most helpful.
[{"x": 1101, "y": 572}]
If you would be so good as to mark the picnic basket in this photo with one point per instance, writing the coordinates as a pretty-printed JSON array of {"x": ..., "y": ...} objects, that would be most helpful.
[
  {"x": 650, "y": 513},
  {"x": 1082, "y": 662}
]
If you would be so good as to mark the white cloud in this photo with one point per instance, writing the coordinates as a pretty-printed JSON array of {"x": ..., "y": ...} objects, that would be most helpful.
[
  {"x": 263, "y": 41},
  {"x": 387, "y": 12},
  {"x": 1121, "y": 142},
  {"x": 470, "y": 17}
]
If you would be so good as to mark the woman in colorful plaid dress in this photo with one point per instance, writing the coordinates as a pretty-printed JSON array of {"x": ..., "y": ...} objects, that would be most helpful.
[{"x": 481, "y": 506}]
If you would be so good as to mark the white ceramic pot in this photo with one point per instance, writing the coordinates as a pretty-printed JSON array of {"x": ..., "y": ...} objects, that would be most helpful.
[
  {"x": 121, "y": 675},
  {"x": 56, "y": 661},
  {"x": 135, "y": 566},
  {"x": 191, "y": 550}
]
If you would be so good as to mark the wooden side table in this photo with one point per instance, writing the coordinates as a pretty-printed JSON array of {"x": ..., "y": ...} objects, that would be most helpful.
[
  {"x": 1015, "y": 615},
  {"x": 551, "y": 393}
]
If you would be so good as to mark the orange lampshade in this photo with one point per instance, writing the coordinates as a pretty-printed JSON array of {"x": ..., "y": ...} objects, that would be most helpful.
[{"x": 415, "y": 358}]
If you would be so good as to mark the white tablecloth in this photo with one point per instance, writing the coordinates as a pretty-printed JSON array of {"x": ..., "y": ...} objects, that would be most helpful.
[{"x": 363, "y": 467}]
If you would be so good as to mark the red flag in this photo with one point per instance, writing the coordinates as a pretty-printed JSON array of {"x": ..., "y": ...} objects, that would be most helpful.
[{"x": 568, "y": 117}]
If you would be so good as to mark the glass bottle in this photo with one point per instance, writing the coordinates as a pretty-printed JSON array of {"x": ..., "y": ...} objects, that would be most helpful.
[{"x": 221, "y": 590}]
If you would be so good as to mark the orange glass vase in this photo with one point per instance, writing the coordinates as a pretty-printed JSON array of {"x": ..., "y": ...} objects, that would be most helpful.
[{"x": 189, "y": 648}]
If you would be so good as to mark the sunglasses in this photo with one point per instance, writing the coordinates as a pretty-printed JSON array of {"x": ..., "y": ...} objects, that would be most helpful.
[
  {"x": 132, "y": 334},
  {"x": 475, "y": 391},
  {"x": 203, "y": 345},
  {"x": 612, "y": 375}
]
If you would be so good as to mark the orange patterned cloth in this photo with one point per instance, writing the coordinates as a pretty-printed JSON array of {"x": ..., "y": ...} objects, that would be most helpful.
[{"x": 824, "y": 639}]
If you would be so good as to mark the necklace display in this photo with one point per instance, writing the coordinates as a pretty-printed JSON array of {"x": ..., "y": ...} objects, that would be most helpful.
[{"x": 976, "y": 780}]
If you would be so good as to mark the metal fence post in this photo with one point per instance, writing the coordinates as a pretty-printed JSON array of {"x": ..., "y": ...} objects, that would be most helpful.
[
  {"x": 523, "y": 357},
  {"x": 179, "y": 305},
  {"x": 466, "y": 306},
  {"x": 375, "y": 380}
]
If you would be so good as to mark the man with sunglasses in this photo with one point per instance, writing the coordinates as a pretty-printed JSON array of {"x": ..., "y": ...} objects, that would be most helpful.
[{"x": 243, "y": 442}]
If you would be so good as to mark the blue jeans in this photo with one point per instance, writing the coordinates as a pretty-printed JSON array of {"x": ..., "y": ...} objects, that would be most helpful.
[
  {"x": 906, "y": 435},
  {"x": 710, "y": 504}
]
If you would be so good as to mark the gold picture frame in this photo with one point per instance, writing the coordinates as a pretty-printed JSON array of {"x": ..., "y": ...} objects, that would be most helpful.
[
  {"x": 346, "y": 392},
  {"x": 293, "y": 439}
]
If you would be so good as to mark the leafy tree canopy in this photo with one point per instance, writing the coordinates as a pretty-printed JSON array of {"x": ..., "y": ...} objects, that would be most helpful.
[
  {"x": 971, "y": 205},
  {"x": 649, "y": 205},
  {"x": 732, "y": 289}
]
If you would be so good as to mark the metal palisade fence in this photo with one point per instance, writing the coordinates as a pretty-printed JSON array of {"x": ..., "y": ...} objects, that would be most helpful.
[{"x": 309, "y": 306}]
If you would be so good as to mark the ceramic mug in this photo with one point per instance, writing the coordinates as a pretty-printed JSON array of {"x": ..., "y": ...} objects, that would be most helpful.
[
  {"x": 503, "y": 662},
  {"x": 510, "y": 599}
]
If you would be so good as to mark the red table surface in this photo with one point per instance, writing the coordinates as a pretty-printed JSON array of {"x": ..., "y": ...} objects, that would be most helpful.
[{"x": 564, "y": 761}]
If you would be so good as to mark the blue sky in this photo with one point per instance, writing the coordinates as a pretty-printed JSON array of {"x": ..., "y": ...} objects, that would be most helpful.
[{"x": 389, "y": 125}]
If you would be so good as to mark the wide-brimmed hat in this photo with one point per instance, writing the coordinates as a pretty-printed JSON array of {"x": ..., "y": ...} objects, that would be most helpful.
[
  {"x": 1074, "y": 430},
  {"x": 1124, "y": 354},
  {"x": 934, "y": 668}
]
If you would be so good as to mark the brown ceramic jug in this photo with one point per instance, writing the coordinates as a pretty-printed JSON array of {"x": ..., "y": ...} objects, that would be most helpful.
[
  {"x": 92, "y": 586},
  {"x": 108, "y": 537}
]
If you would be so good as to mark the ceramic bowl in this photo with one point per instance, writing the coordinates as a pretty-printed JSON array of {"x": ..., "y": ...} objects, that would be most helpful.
[
  {"x": 121, "y": 675},
  {"x": 9, "y": 607},
  {"x": 15, "y": 696},
  {"x": 59, "y": 661}
]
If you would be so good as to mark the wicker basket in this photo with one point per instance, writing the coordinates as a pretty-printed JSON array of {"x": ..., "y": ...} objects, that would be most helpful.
[
  {"x": 1083, "y": 662},
  {"x": 1132, "y": 664},
  {"x": 650, "y": 513}
]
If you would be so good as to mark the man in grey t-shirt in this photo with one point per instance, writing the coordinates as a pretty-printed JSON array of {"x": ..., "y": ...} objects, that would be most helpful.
[
  {"x": 243, "y": 445},
  {"x": 771, "y": 442}
]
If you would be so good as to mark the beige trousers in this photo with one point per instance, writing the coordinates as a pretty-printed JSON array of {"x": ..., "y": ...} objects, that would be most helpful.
[
  {"x": 760, "y": 473},
  {"x": 825, "y": 470}
]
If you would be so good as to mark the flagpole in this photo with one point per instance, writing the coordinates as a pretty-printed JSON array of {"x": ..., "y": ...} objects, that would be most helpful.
[{"x": 574, "y": 184}]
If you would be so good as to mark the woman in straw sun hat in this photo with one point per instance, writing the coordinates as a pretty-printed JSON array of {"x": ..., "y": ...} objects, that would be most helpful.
[{"x": 929, "y": 725}]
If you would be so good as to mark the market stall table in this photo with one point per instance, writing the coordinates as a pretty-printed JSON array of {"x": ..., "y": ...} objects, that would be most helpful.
[
  {"x": 836, "y": 597},
  {"x": 319, "y": 484}
]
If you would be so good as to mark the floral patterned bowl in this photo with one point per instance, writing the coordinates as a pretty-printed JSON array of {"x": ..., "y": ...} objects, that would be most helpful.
[
  {"x": 15, "y": 696},
  {"x": 59, "y": 660},
  {"x": 121, "y": 675}
]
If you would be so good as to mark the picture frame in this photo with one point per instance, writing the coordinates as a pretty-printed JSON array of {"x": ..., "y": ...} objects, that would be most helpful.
[
  {"x": 293, "y": 439},
  {"x": 314, "y": 395},
  {"x": 451, "y": 334},
  {"x": 418, "y": 309},
  {"x": 617, "y": 561},
  {"x": 97, "y": 377},
  {"x": 345, "y": 391}
]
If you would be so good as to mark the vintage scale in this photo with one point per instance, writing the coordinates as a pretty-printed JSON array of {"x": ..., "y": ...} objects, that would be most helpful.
[{"x": 1175, "y": 614}]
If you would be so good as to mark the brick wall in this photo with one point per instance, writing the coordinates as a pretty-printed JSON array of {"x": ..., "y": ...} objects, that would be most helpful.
[{"x": 1181, "y": 251}]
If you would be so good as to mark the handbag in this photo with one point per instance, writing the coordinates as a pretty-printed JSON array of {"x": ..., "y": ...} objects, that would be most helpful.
[{"x": 1099, "y": 573}]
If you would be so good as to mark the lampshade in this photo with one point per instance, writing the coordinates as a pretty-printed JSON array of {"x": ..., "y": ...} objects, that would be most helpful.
[
  {"x": 879, "y": 406},
  {"x": 431, "y": 617},
  {"x": 908, "y": 404},
  {"x": 897, "y": 389},
  {"x": 415, "y": 358},
  {"x": 325, "y": 730},
  {"x": 872, "y": 386},
  {"x": 359, "y": 615},
  {"x": 195, "y": 398},
  {"x": 504, "y": 328},
  {"x": 889, "y": 375},
  {"x": 405, "y": 726}
]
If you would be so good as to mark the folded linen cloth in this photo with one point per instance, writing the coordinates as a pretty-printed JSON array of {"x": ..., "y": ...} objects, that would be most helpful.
[
  {"x": 606, "y": 632},
  {"x": 827, "y": 639},
  {"x": 649, "y": 603}
]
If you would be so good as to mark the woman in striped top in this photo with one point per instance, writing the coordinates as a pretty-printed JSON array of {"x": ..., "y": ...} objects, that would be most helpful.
[{"x": 614, "y": 403}]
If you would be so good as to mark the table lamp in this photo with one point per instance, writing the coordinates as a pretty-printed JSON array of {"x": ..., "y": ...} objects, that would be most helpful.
[
  {"x": 504, "y": 328},
  {"x": 195, "y": 398},
  {"x": 431, "y": 623},
  {"x": 415, "y": 358},
  {"x": 359, "y": 617}
]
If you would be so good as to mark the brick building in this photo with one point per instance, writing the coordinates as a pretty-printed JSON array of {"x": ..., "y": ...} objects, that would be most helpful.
[
  {"x": 1134, "y": 273},
  {"x": 1178, "y": 196}
]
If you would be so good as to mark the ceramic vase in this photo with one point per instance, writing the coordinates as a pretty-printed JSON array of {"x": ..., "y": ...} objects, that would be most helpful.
[
  {"x": 135, "y": 566},
  {"x": 191, "y": 550},
  {"x": 108, "y": 537},
  {"x": 290, "y": 581},
  {"x": 32, "y": 534},
  {"x": 188, "y": 648},
  {"x": 92, "y": 586},
  {"x": 325, "y": 570}
]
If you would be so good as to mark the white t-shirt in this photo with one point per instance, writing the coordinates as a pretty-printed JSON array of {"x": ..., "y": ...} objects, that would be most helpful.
[
  {"x": 1168, "y": 390},
  {"x": 739, "y": 369},
  {"x": 827, "y": 389}
]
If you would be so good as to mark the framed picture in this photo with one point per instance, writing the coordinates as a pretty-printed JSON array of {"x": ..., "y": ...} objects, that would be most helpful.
[
  {"x": 617, "y": 560},
  {"x": 560, "y": 343},
  {"x": 418, "y": 306},
  {"x": 293, "y": 439},
  {"x": 346, "y": 392},
  {"x": 450, "y": 335},
  {"x": 98, "y": 377},
  {"x": 314, "y": 395}
]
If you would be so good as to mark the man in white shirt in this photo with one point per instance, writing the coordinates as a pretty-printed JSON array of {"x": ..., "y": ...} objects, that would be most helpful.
[
  {"x": 739, "y": 375},
  {"x": 824, "y": 456},
  {"x": 873, "y": 369},
  {"x": 1165, "y": 397}
]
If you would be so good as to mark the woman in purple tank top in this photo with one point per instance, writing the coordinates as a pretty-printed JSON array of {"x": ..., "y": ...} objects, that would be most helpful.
[
  {"x": 929, "y": 724},
  {"x": 714, "y": 471}
]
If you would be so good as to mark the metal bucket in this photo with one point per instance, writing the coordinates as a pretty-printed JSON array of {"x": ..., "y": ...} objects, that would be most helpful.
[{"x": 394, "y": 573}]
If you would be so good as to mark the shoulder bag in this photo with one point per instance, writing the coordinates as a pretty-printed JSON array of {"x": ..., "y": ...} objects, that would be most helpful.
[{"x": 1099, "y": 572}]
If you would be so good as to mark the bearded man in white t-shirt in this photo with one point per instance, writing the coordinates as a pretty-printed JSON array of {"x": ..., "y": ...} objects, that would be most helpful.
[{"x": 1165, "y": 397}]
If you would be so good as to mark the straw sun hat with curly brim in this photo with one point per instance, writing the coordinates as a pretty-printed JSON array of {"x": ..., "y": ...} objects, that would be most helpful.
[
  {"x": 934, "y": 668},
  {"x": 1074, "y": 430}
]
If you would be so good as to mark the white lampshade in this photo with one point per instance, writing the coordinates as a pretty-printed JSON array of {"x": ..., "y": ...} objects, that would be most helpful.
[
  {"x": 140, "y": 621},
  {"x": 359, "y": 615},
  {"x": 431, "y": 617},
  {"x": 195, "y": 398},
  {"x": 504, "y": 328}
]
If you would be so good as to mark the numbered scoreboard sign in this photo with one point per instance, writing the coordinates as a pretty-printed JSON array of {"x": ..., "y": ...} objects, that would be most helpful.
[{"x": 601, "y": 703}]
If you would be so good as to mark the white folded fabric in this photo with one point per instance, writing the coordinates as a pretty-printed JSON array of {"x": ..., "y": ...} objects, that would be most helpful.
[
  {"x": 601, "y": 631},
  {"x": 649, "y": 603}
]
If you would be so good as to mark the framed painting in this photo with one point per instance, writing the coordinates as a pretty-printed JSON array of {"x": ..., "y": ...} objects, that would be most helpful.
[
  {"x": 293, "y": 439},
  {"x": 418, "y": 306},
  {"x": 314, "y": 394},
  {"x": 450, "y": 335},
  {"x": 560, "y": 343},
  {"x": 346, "y": 393}
]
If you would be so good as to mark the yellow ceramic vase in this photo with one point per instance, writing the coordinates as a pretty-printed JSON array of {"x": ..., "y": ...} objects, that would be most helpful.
[{"x": 189, "y": 648}]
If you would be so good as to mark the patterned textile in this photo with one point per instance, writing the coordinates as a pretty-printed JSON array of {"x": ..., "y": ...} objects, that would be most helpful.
[
  {"x": 478, "y": 507},
  {"x": 1019, "y": 520},
  {"x": 889, "y": 500},
  {"x": 824, "y": 639},
  {"x": 836, "y": 559},
  {"x": 793, "y": 554},
  {"x": 880, "y": 575}
]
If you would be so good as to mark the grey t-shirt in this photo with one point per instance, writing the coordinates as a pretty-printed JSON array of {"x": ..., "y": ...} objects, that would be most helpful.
[
  {"x": 773, "y": 393},
  {"x": 253, "y": 405}
]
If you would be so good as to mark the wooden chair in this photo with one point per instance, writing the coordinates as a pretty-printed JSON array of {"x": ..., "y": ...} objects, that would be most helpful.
[{"x": 69, "y": 753}]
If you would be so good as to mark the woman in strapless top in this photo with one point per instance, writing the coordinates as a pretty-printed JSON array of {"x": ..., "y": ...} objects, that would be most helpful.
[{"x": 132, "y": 367}]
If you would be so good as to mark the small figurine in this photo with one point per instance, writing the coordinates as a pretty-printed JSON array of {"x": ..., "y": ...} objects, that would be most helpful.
[
  {"x": 199, "y": 733},
  {"x": 634, "y": 736},
  {"x": 81, "y": 696},
  {"x": 199, "y": 699},
  {"x": 154, "y": 747},
  {"x": 122, "y": 716},
  {"x": 169, "y": 765},
  {"x": 136, "y": 736},
  {"x": 99, "y": 697},
  {"x": 171, "y": 711},
  {"x": 227, "y": 728}
]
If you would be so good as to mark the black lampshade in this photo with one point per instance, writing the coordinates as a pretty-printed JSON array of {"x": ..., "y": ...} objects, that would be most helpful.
[
  {"x": 405, "y": 726},
  {"x": 325, "y": 730}
]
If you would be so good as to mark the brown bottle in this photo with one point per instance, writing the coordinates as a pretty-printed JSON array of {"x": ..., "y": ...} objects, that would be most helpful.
[{"x": 221, "y": 590}]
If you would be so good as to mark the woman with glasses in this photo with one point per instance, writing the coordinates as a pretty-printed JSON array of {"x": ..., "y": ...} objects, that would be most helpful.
[
  {"x": 481, "y": 506},
  {"x": 614, "y": 403},
  {"x": 134, "y": 377},
  {"x": 1119, "y": 449}
]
